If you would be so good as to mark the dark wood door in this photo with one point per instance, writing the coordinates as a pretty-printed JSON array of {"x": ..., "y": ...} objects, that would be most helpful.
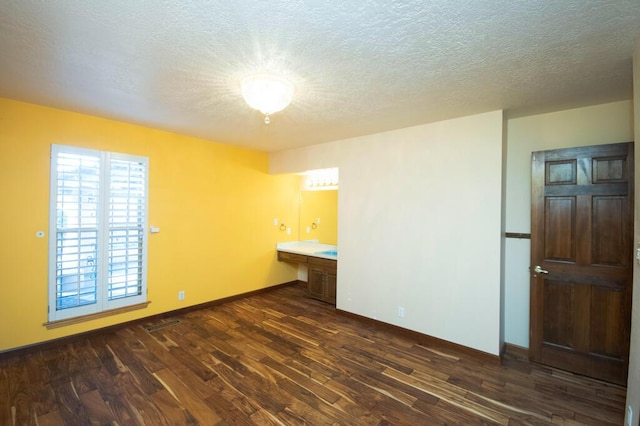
[{"x": 582, "y": 244}]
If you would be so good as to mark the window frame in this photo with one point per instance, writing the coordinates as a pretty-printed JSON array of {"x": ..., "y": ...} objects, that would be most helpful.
[{"x": 103, "y": 227}]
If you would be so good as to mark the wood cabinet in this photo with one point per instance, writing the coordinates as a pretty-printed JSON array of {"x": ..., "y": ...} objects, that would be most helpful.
[
  {"x": 322, "y": 279},
  {"x": 322, "y": 275}
]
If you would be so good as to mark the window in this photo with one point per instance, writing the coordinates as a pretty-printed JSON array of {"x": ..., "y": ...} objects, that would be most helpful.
[{"x": 97, "y": 238}]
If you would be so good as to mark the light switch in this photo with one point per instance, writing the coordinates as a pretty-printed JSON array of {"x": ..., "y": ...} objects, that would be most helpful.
[
  {"x": 275, "y": 221},
  {"x": 154, "y": 229}
]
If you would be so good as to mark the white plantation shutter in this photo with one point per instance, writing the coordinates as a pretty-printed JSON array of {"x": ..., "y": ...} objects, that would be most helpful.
[
  {"x": 127, "y": 208},
  {"x": 77, "y": 209},
  {"x": 97, "y": 232}
]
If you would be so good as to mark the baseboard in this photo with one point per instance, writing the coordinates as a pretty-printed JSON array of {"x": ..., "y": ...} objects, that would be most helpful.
[
  {"x": 515, "y": 350},
  {"x": 426, "y": 340},
  {"x": 49, "y": 344}
]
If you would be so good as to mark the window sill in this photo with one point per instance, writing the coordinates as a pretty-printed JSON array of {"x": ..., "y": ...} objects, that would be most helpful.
[{"x": 84, "y": 318}]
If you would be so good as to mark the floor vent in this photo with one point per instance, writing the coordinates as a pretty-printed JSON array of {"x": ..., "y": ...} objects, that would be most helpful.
[{"x": 162, "y": 325}]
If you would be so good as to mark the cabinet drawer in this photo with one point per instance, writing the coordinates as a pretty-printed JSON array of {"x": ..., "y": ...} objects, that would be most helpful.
[
  {"x": 327, "y": 264},
  {"x": 291, "y": 257}
]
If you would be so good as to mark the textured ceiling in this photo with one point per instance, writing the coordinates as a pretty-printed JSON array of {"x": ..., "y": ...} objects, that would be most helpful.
[{"x": 359, "y": 67}]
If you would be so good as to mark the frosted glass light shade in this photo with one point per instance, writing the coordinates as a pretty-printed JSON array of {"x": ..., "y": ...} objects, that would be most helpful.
[
  {"x": 267, "y": 93},
  {"x": 320, "y": 179}
]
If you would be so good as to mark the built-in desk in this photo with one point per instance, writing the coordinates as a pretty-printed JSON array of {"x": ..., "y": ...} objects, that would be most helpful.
[{"x": 321, "y": 261}]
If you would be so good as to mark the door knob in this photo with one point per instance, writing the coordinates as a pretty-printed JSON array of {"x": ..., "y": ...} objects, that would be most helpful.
[{"x": 539, "y": 270}]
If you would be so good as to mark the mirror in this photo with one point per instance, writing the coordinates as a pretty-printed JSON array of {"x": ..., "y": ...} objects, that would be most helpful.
[
  {"x": 318, "y": 212},
  {"x": 319, "y": 216}
]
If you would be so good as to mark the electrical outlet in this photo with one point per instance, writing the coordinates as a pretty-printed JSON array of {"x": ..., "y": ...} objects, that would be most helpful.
[
  {"x": 181, "y": 295},
  {"x": 629, "y": 416},
  {"x": 401, "y": 311}
]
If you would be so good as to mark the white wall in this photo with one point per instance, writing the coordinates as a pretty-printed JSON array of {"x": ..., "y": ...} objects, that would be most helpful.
[
  {"x": 419, "y": 225},
  {"x": 595, "y": 125},
  {"x": 633, "y": 381}
]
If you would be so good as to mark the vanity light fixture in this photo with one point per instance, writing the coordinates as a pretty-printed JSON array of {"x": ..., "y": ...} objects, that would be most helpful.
[
  {"x": 268, "y": 93},
  {"x": 321, "y": 179}
]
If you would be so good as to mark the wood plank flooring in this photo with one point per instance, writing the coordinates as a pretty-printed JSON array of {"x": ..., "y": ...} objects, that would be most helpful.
[{"x": 280, "y": 358}]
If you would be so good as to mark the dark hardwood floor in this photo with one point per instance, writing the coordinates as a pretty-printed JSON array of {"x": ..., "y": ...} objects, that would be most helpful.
[{"x": 280, "y": 358}]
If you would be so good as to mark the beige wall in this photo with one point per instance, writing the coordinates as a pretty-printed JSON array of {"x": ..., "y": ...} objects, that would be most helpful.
[
  {"x": 594, "y": 125},
  {"x": 420, "y": 216},
  {"x": 633, "y": 382},
  {"x": 599, "y": 124}
]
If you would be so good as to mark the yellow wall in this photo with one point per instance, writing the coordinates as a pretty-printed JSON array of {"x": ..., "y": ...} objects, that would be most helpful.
[
  {"x": 214, "y": 205},
  {"x": 323, "y": 205}
]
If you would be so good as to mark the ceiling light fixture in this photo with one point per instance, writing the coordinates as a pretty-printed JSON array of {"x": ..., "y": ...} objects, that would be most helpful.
[{"x": 267, "y": 93}]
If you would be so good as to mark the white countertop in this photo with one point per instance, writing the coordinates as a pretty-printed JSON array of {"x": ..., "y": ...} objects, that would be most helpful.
[{"x": 309, "y": 248}]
